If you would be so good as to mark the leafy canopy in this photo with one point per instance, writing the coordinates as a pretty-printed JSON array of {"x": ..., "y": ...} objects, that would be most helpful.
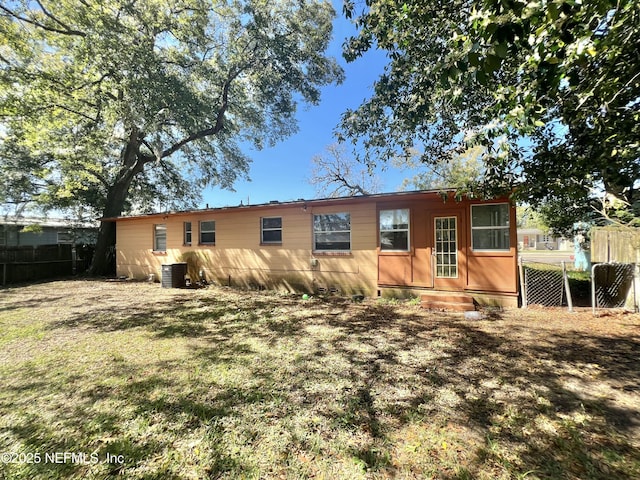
[
  {"x": 156, "y": 97},
  {"x": 550, "y": 89}
]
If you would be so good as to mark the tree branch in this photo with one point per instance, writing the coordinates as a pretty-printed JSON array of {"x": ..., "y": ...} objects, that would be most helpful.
[
  {"x": 207, "y": 131},
  {"x": 48, "y": 14},
  {"x": 70, "y": 110},
  {"x": 98, "y": 176},
  {"x": 68, "y": 31},
  {"x": 337, "y": 178}
]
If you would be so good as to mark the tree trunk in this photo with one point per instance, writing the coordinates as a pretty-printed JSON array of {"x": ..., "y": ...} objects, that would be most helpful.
[{"x": 103, "y": 263}]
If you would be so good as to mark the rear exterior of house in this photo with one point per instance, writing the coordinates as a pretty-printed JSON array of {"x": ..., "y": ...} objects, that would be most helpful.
[{"x": 387, "y": 244}]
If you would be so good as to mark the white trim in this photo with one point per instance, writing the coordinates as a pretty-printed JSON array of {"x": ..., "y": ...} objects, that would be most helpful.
[
  {"x": 155, "y": 237},
  {"x": 491, "y": 227},
  {"x": 262, "y": 230},
  {"x": 408, "y": 230},
  {"x": 67, "y": 241},
  {"x": 201, "y": 231},
  {"x": 184, "y": 233},
  {"x": 314, "y": 232},
  {"x": 435, "y": 247}
]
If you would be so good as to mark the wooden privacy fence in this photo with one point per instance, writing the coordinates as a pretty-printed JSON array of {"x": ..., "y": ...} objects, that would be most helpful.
[
  {"x": 615, "y": 254},
  {"x": 615, "y": 245},
  {"x": 27, "y": 263}
]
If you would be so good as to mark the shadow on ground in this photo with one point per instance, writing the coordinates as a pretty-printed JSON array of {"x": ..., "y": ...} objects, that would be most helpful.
[{"x": 226, "y": 384}]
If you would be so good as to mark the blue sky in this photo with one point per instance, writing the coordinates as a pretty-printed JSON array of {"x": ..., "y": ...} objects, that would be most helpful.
[{"x": 282, "y": 172}]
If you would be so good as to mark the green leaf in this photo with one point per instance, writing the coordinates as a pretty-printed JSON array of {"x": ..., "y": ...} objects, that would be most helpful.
[
  {"x": 474, "y": 59},
  {"x": 501, "y": 50},
  {"x": 492, "y": 63},
  {"x": 481, "y": 77}
]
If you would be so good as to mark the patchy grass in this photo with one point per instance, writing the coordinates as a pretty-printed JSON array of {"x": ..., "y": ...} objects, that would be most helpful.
[{"x": 142, "y": 382}]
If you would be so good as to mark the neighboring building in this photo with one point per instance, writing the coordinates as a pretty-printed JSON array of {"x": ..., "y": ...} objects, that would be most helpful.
[
  {"x": 375, "y": 245},
  {"x": 32, "y": 231},
  {"x": 536, "y": 239}
]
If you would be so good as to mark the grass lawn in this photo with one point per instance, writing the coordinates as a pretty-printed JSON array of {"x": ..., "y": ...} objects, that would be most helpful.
[{"x": 129, "y": 380}]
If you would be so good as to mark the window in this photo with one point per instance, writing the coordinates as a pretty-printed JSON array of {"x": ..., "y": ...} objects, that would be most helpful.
[
  {"x": 490, "y": 227},
  {"x": 65, "y": 237},
  {"x": 160, "y": 237},
  {"x": 208, "y": 232},
  {"x": 332, "y": 232},
  {"x": 3, "y": 235},
  {"x": 187, "y": 233},
  {"x": 394, "y": 230},
  {"x": 271, "y": 230}
]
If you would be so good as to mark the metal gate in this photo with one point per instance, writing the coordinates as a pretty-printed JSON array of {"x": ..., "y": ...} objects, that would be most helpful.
[
  {"x": 544, "y": 284},
  {"x": 612, "y": 284}
]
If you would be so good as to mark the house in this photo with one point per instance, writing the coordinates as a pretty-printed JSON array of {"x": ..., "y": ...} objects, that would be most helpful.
[
  {"x": 536, "y": 239},
  {"x": 36, "y": 231},
  {"x": 33, "y": 248},
  {"x": 383, "y": 244}
]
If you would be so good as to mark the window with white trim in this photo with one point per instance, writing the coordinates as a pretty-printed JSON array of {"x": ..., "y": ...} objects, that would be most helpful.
[
  {"x": 490, "y": 227},
  {"x": 394, "y": 230},
  {"x": 271, "y": 230},
  {"x": 208, "y": 232},
  {"x": 187, "y": 233},
  {"x": 160, "y": 237},
  {"x": 332, "y": 232},
  {"x": 65, "y": 238}
]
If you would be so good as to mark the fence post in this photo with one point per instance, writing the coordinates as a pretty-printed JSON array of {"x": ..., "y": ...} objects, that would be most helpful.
[
  {"x": 523, "y": 288},
  {"x": 566, "y": 285},
  {"x": 593, "y": 289},
  {"x": 635, "y": 292}
]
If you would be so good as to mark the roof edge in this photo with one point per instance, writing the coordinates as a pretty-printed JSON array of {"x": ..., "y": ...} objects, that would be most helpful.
[{"x": 301, "y": 201}]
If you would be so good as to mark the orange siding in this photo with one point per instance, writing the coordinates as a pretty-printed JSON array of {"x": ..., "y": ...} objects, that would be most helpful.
[
  {"x": 495, "y": 271},
  {"x": 478, "y": 271},
  {"x": 492, "y": 274},
  {"x": 395, "y": 269},
  {"x": 239, "y": 258}
]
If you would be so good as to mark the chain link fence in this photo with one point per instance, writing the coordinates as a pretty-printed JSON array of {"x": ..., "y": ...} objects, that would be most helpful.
[
  {"x": 544, "y": 284},
  {"x": 613, "y": 285}
]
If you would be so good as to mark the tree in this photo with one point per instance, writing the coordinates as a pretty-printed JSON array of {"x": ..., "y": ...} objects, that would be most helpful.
[
  {"x": 550, "y": 89},
  {"x": 527, "y": 217},
  {"x": 335, "y": 174},
  {"x": 464, "y": 172},
  {"x": 120, "y": 105}
]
